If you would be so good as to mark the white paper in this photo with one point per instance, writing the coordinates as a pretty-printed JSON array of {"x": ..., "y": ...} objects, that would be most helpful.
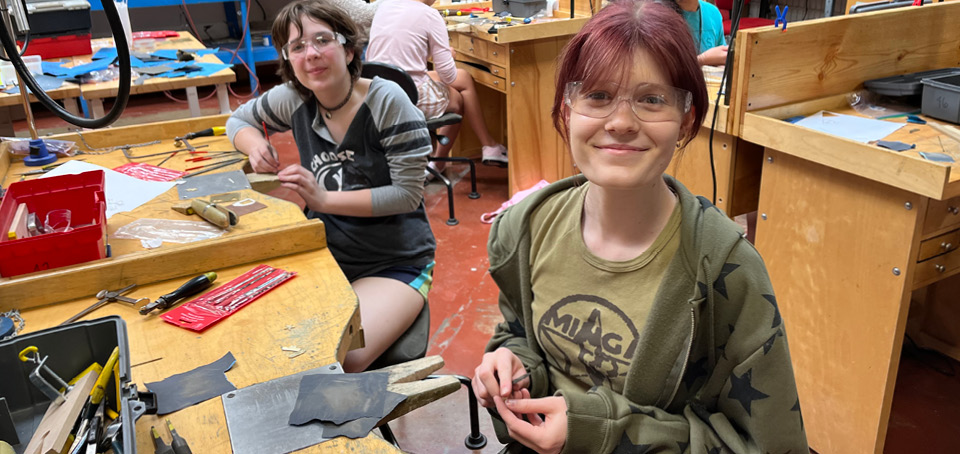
[
  {"x": 848, "y": 126},
  {"x": 123, "y": 192}
]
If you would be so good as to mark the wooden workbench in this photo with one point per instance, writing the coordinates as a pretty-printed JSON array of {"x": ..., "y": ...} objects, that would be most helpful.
[
  {"x": 850, "y": 232},
  {"x": 95, "y": 93},
  {"x": 316, "y": 311},
  {"x": 514, "y": 70}
]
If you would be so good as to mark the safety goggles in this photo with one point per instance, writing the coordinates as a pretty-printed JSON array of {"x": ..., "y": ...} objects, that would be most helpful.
[
  {"x": 650, "y": 102},
  {"x": 319, "y": 42}
]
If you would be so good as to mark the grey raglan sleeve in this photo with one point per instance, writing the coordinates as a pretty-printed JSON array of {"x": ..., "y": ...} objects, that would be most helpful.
[
  {"x": 274, "y": 107},
  {"x": 748, "y": 404},
  {"x": 406, "y": 143}
]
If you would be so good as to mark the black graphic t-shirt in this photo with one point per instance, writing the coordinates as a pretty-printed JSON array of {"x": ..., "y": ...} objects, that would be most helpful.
[{"x": 588, "y": 312}]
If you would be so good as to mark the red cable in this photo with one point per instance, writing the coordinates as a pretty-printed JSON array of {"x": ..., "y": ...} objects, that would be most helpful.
[{"x": 243, "y": 35}]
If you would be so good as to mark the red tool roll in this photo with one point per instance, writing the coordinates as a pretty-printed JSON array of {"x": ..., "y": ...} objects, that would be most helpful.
[{"x": 223, "y": 301}]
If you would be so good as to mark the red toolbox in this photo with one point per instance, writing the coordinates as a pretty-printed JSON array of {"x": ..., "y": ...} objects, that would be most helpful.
[
  {"x": 59, "y": 46},
  {"x": 83, "y": 195}
]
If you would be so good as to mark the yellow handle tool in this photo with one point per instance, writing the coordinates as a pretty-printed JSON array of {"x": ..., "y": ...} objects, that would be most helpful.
[{"x": 105, "y": 374}]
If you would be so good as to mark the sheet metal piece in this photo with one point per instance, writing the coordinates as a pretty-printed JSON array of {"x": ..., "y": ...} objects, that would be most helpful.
[
  {"x": 214, "y": 183},
  {"x": 257, "y": 416},
  {"x": 192, "y": 387},
  {"x": 359, "y": 428}
]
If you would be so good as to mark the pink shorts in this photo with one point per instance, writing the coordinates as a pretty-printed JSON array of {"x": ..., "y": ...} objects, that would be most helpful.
[{"x": 433, "y": 98}]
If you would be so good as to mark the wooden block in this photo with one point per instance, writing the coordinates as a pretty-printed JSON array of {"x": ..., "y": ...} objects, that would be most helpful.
[
  {"x": 263, "y": 182},
  {"x": 58, "y": 421},
  {"x": 950, "y": 131},
  {"x": 18, "y": 228}
]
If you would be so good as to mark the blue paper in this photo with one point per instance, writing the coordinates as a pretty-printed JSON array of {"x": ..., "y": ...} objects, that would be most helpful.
[
  {"x": 105, "y": 52},
  {"x": 96, "y": 65},
  {"x": 54, "y": 69}
]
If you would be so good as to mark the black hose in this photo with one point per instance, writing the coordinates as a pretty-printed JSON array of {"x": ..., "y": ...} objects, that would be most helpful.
[{"x": 123, "y": 55}]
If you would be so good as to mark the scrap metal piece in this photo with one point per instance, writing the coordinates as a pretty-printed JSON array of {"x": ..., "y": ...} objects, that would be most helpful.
[{"x": 216, "y": 183}]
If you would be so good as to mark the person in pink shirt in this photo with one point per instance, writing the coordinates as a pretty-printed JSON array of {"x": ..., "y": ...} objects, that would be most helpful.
[{"x": 405, "y": 33}]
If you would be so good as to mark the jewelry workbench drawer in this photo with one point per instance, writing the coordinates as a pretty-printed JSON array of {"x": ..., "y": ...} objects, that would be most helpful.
[
  {"x": 474, "y": 47},
  {"x": 936, "y": 268},
  {"x": 937, "y": 245},
  {"x": 486, "y": 78},
  {"x": 496, "y": 53},
  {"x": 942, "y": 214}
]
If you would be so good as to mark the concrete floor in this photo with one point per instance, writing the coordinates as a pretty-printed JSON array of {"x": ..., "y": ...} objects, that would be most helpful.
[{"x": 463, "y": 305}]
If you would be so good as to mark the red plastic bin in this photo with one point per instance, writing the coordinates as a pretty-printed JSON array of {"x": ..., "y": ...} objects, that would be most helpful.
[
  {"x": 59, "y": 46},
  {"x": 83, "y": 195}
]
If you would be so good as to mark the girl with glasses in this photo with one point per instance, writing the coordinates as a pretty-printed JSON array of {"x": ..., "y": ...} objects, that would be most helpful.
[
  {"x": 636, "y": 317},
  {"x": 363, "y": 150}
]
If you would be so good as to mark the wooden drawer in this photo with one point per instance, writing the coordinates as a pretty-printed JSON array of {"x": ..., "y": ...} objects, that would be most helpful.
[
  {"x": 942, "y": 214},
  {"x": 485, "y": 78},
  {"x": 498, "y": 71},
  {"x": 939, "y": 245},
  {"x": 933, "y": 269},
  {"x": 473, "y": 47},
  {"x": 497, "y": 53}
]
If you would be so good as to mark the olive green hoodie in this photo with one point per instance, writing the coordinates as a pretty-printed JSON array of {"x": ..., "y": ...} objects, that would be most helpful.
[{"x": 712, "y": 372}]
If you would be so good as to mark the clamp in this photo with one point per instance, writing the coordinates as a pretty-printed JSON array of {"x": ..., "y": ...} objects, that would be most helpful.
[{"x": 32, "y": 354}]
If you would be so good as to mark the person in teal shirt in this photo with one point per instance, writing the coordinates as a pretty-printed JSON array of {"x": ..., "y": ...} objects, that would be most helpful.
[{"x": 706, "y": 26}]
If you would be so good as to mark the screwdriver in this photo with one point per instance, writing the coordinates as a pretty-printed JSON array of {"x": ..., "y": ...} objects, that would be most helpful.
[
  {"x": 160, "y": 446},
  {"x": 191, "y": 287},
  {"x": 214, "y": 131},
  {"x": 179, "y": 445}
]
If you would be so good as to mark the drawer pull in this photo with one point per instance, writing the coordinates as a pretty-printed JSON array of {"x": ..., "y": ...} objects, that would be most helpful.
[
  {"x": 496, "y": 71},
  {"x": 953, "y": 210},
  {"x": 495, "y": 53},
  {"x": 471, "y": 49},
  {"x": 946, "y": 246},
  {"x": 940, "y": 268},
  {"x": 496, "y": 82}
]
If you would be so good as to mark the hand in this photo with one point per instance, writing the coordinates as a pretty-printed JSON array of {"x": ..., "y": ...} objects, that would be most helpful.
[
  {"x": 263, "y": 158},
  {"x": 299, "y": 179},
  {"x": 546, "y": 435},
  {"x": 487, "y": 380},
  {"x": 716, "y": 56}
]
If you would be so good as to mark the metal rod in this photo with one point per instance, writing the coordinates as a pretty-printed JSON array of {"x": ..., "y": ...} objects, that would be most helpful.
[{"x": 24, "y": 97}]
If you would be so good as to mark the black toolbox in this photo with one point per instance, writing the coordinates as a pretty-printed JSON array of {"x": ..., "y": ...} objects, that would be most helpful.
[{"x": 69, "y": 350}]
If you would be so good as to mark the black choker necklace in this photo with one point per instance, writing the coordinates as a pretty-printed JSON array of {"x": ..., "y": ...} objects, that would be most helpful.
[{"x": 330, "y": 110}]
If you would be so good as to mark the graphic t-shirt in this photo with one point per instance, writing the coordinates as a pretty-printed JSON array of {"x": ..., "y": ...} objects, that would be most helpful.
[{"x": 588, "y": 312}]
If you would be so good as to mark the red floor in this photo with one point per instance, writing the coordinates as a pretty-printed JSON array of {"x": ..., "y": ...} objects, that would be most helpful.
[{"x": 463, "y": 305}]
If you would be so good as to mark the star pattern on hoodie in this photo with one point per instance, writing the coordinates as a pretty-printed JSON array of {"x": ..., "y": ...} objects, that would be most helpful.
[
  {"x": 702, "y": 287},
  {"x": 694, "y": 371},
  {"x": 627, "y": 447},
  {"x": 742, "y": 390},
  {"x": 714, "y": 450},
  {"x": 516, "y": 328},
  {"x": 720, "y": 285},
  {"x": 682, "y": 445},
  {"x": 769, "y": 343},
  {"x": 639, "y": 411},
  {"x": 706, "y": 204},
  {"x": 796, "y": 408},
  {"x": 776, "y": 310}
]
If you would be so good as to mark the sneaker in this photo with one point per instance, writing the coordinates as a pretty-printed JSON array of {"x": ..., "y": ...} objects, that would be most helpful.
[
  {"x": 429, "y": 176},
  {"x": 495, "y": 156}
]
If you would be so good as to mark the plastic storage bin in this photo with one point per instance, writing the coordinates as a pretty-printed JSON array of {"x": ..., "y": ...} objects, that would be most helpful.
[
  {"x": 520, "y": 8},
  {"x": 8, "y": 75},
  {"x": 941, "y": 98},
  {"x": 70, "y": 349},
  {"x": 83, "y": 195}
]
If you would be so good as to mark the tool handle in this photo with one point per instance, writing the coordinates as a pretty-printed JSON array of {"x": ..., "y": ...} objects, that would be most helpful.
[
  {"x": 214, "y": 131},
  {"x": 99, "y": 389},
  {"x": 191, "y": 287}
]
